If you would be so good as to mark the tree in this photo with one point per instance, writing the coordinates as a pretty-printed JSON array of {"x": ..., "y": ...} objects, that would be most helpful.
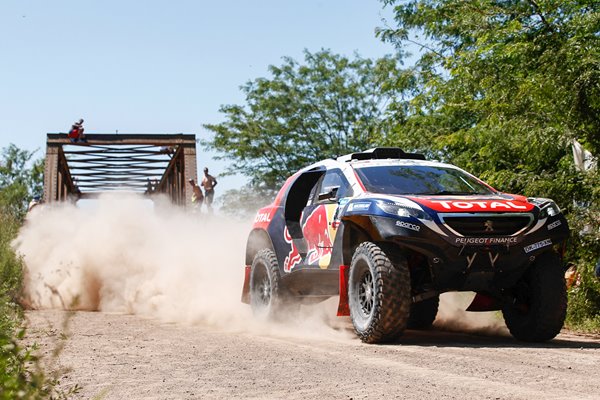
[
  {"x": 504, "y": 87},
  {"x": 326, "y": 107},
  {"x": 19, "y": 182},
  {"x": 500, "y": 78}
]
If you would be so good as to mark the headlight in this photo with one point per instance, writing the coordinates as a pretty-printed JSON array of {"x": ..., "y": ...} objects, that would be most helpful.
[
  {"x": 548, "y": 208},
  {"x": 402, "y": 210}
]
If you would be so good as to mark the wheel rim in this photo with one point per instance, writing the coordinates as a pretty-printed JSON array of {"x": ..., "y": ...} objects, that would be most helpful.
[
  {"x": 262, "y": 288},
  {"x": 366, "y": 296}
]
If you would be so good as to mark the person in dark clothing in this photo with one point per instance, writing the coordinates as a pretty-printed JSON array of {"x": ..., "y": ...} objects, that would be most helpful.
[
  {"x": 76, "y": 133},
  {"x": 597, "y": 270}
]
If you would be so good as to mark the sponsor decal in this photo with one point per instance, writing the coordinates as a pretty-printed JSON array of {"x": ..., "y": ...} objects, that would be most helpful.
[
  {"x": 484, "y": 205},
  {"x": 359, "y": 206},
  {"x": 496, "y": 205},
  {"x": 319, "y": 237},
  {"x": 262, "y": 217},
  {"x": 538, "y": 245},
  {"x": 485, "y": 241},
  {"x": 489, "y": 226},
  {"x": 407, "y": 225},
  {"x": 293, "y": 258},
  {"x": 554, "y": 224}
]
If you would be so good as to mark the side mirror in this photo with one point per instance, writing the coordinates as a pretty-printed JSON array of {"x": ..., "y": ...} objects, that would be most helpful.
[{"x": 329, "y": 195}]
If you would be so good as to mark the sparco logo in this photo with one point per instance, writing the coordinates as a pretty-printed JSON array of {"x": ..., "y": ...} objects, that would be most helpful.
[
  {"x": 486, "y": 241},
  {"x": 407, "y": 225}
]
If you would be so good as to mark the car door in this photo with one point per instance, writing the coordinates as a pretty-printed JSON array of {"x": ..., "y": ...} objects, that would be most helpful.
[{"x": 319, "y": 225}]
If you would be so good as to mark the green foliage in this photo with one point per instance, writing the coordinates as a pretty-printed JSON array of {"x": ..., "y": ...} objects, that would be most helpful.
[
  {"x": 326, "y": 107},
  {"x": 21, "y": 373},
  {"x": 504, "y": 88},
  {"x": 19, "y": 181},
  {"x": 11, "y": 268}
]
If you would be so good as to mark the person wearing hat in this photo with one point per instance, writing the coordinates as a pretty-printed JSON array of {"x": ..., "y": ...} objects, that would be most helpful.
[
  {"x": 197, "y": 196},
  {"x": 208, "y": 183}
]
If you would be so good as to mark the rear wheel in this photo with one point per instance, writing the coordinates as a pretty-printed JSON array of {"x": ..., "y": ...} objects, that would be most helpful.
[
  {"x": 267, "y": 295},
  {"x": 541, "y": 306},
  {"x": 423, "y": 313},
  {"x": 378, "y": 293}
]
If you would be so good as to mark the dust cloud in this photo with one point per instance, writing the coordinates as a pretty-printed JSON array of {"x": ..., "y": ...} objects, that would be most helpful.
[
  {"x": 453, "y": 317},
  {"x": 123, "y": 255}
]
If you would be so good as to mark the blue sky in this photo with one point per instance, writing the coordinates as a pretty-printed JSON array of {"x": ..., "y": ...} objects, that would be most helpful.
[{"x": 157, "y": 66}]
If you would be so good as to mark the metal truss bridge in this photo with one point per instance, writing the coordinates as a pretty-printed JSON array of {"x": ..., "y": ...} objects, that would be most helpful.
[{"x": 146, "y": 164}]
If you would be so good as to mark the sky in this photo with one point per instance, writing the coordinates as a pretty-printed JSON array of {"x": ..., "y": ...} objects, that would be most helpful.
[{"x": 158, "y": 66}]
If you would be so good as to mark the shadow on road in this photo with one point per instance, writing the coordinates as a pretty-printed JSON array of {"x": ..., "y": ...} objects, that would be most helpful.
[{"x": 441, "y": 338}]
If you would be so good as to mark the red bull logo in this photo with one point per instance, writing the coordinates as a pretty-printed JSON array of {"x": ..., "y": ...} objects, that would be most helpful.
[
  {"x": 293, "y": 258},
  {"x": 319, "y": 235}
]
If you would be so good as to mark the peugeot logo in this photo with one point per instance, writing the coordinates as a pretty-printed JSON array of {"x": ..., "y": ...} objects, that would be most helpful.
[{"x": 489, "y": 226}]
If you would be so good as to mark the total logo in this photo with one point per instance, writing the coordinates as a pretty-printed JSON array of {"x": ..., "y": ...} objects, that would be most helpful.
[
  {"x": 496, "y": 205},
  {"x": 484, "y": 205},
  {"x": 262, "y": 217}
]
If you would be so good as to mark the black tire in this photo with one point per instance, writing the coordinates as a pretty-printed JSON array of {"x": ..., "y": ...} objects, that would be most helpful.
[
  {"x": 268, "y": 297},
  {"x": 378, "y": 293},
  {"x": 423, "y": 313},
  {"x": 541, "y": 301}
]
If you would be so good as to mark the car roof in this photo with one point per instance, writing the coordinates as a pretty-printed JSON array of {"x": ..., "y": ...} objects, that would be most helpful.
[
  {"x": 398, "y": 162},
  {"x": 331, "y": 163}
]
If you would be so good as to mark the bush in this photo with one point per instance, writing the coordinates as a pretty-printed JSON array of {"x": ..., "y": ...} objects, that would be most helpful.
[{"x": 21, "y": 373}]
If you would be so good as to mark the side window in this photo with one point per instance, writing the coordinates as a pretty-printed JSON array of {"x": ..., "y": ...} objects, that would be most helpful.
[
  {"x": 333, "y": 179},
  {"x": 314, "y": 192}
]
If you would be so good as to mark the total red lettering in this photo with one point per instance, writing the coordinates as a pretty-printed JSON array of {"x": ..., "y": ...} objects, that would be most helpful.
[{"x": 482, "y": 205}]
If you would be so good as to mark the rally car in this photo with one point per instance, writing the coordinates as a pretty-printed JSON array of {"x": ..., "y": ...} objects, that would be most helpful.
[{"x": 388, "y": 231}]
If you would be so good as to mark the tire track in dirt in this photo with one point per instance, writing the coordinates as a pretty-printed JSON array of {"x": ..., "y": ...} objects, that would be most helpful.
[{"x": 125, "y": 356}]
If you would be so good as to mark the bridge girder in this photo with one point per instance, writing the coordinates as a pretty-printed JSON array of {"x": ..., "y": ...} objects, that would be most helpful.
[{"x": 140, "y": 163}]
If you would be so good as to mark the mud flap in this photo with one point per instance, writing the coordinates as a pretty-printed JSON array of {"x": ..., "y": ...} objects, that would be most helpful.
[
  {"x": 246, "y": 288},
  {"x": 483, "y": 302},
  {"x": 343, "y": 308}
]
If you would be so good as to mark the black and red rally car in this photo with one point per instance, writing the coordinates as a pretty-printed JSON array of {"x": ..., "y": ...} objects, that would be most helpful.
[{"x": 388, "y": 232}]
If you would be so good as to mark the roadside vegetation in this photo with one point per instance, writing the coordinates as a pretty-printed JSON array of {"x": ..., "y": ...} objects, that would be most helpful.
[
  {"x": 22, "y": 374},
  {"x": 503, "y": 89}
]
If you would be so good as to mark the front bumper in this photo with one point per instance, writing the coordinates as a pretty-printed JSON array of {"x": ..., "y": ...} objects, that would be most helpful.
[{"x": 477, "y": 264}]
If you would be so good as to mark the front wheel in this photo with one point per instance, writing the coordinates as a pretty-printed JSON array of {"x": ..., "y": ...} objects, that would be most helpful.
[
  {"x": 378, "y": 293},
  {"x": 541, "y": 301}
]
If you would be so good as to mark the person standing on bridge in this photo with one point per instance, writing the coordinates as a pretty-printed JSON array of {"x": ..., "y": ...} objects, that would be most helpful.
[
  {"x": 76, "y": 133},
  {"x": 197, "y": 197},
  {"x": 209, "y": 182}
]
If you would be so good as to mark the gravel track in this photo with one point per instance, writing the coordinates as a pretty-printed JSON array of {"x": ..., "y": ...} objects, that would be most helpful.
[{"x": 115, "y": 356}]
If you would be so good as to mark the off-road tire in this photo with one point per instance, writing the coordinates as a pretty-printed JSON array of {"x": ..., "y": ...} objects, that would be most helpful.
[
  {"x": 268, "y": 297},
  {"x": 423, "y": 313},
  {"x": 544, "y": 289},
  {"x": 378, "y": 293}
]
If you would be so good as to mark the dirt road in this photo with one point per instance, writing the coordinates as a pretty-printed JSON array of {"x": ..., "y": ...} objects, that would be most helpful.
[{"x": 121, "y": 356}]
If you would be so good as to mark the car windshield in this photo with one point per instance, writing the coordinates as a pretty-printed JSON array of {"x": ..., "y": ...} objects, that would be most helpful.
[{"x": 419, "y": 180}]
